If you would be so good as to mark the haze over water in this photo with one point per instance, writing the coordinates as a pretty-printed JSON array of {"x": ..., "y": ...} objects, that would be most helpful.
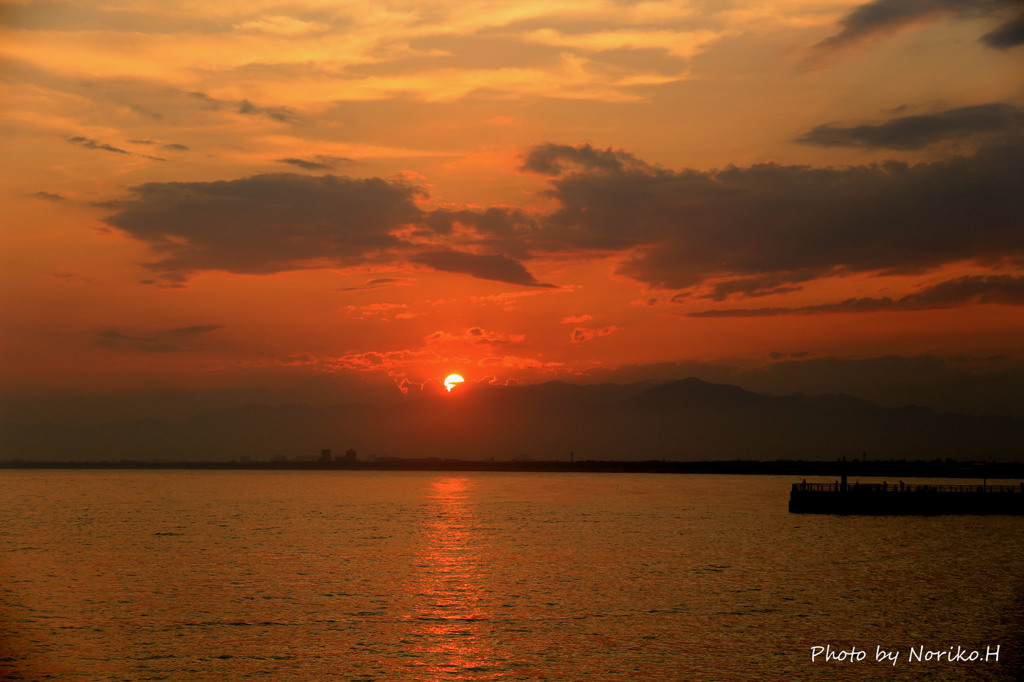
[{"x": 132, "y": 575}]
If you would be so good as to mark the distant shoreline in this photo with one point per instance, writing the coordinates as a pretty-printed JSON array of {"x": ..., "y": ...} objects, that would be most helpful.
[{"x": 905, "y": 469}]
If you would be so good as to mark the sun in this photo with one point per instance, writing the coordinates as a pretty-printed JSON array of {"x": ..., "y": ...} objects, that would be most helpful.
[{"x": 451, "y": 381}]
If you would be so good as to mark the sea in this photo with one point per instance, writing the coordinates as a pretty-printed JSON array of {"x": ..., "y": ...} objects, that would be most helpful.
[{"x": 377, "y": 575}]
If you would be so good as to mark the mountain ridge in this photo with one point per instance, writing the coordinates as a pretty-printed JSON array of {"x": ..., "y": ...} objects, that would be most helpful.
[{"x": 687, "y": 419}]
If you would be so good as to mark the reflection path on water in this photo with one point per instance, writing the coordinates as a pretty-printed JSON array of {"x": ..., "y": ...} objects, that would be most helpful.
[{"x": 451, "y": 621}]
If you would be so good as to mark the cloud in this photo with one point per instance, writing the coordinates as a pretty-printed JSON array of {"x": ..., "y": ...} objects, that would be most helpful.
[
  {"x": 319, "y": 162},
  {"x": 1010, "y": 34},
  {"x": 166, "y": 341},
  {"x": 283, "y": 25},
  {"x": 476, "y": 336},
  {"x": 69, "y": 16},
  {"x": 770, "y": 225},
  {"x": 497, "y": 268},
  {"x": 376, "y": 310},
  {"x": 582, "y": 334},
  {"x": 885, "y": 16},
  {"x": 576, "y": 319},
  {"x": 758, "y": 285},
  {"x": 972, "y": 289},
  {"x": 501, "y": 229},
  {"x": 378, "y": 283},
  {"x": 552, "y": 159},
  {"x": 283, "y": 221},
  {"x": 50, "y": 196},
  {"x": 89, "y": 143},
  {"x": 280, "y": 114},
  {"x": 266, "y": 223},
  {"x": 740, "y": 231},
  {"x": 169, "y": 146},
  {"x": 917, "y": 132}
]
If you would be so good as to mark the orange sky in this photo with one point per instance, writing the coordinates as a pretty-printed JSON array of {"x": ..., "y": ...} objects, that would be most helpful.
[{"x": 209, "y": 196}]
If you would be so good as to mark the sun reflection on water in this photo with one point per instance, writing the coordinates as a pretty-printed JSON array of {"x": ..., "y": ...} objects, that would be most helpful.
[{"x": 451, "y": 617}]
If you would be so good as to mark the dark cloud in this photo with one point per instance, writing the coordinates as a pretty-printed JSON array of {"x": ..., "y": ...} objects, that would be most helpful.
[
  {"x": 375, "y": 284},
  {"x": 245, "y": 107},
  {"x": 205, "y": 100},
  {"x": 1001, "y": 289},
  {"x": 491, "y": 267},
  {"x": 171, "y": 146},
  {"x": 770, "y": 225},
  {"x": 318, "y": 162},
  {"x": 142, "y": 111},
  {"x": 50, "y": 196},
  {"x": 502, "y": 229},
  {"x": 753, "y": 231},
  {"x": 90, "y": 143},
  {"x": 1010, "y": 34},
  {"x": 580, "y": 334},
  {"x": 916, "y": 132},
  {"x": 276, "y": 222},
  {"x": 583, "y": 334},
  {"x": 760, "y": 285},
  {"x": 552, "y": 159},
  {"x": 266, "y": 223},
  {"x": 280, "y": 114},
  {"x": 166, "y": 341},
  {"x": 884, "y": 16}
]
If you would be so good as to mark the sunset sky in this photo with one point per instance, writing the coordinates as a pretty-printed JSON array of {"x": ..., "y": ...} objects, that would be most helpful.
[{"x": 281, "y": 196}]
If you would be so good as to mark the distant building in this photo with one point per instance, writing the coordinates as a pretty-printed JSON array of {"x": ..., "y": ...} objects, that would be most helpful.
[{"x": 325, "y": 455}]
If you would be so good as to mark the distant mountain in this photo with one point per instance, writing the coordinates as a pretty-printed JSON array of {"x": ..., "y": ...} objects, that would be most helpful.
[{"x": 681, "y": 420}]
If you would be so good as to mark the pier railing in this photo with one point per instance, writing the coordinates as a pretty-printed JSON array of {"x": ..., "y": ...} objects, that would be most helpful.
[{"x": 905, "y": 488}]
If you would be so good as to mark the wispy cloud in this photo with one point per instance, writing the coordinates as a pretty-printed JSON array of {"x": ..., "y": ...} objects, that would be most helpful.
[
  {"x": 972, "y": 289},
  {"x": 166, "y": 341},
  {"x": 492, "y": 267},
  {"x": 317, "y": 163},
  {"x": 89, "y": 143},
  {"x": 919, "y": 131},
  {"x": 583, "y": 334},
  {"x": 885, "y": 16}
]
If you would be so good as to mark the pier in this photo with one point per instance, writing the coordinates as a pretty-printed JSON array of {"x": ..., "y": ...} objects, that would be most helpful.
[{"x": 905, "y": 499}]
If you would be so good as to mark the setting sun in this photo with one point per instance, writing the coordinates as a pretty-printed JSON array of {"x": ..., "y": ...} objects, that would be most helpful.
[{"x": 451, "y": 381}]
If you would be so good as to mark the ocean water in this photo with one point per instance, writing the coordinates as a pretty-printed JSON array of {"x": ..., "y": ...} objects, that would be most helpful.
[{"x": 320, "y": 575}]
